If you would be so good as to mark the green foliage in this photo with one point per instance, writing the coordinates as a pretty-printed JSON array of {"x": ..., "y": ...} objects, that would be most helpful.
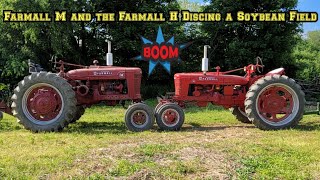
[
  {"x": 238, "y": 43},
  {"x": 307, "y": 56},
  {"x": 40, "y": 41},
  {"x": 234, "y": 44}
]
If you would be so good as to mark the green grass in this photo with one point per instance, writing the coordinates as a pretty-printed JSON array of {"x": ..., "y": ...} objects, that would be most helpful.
[{"x": 211, "y": 145}]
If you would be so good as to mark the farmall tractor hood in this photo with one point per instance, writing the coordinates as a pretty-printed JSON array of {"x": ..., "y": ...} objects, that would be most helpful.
[
  {"x": 210, "y": 78},
  {"x": 102, "y": 72}
]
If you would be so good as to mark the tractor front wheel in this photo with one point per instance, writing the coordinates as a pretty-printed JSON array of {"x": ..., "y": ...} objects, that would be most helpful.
[
  {"x": 170, "y": 117},
  {"x": 275, "y": 102},
  {"x": 44, "y": 102},
  {"x": 139, "y": 117}
]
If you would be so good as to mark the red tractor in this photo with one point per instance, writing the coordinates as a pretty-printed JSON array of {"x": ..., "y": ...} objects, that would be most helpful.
[
  {"x": 45, "y": 101},
  {"x": 270, "y": 101}
]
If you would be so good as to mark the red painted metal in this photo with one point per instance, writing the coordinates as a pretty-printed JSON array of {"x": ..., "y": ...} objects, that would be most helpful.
[
  {"x": 279, "y": 71},
  {"x": 215, "y": 87},
  {"x": 105, "y": 83},
  {"x": 170, "y": 117},
  {"x": 277, "y": 97},
  {"x": 139, "y": 118},
  {"x": 44, "y": 103},
  {"x": 92, "y": 85}
]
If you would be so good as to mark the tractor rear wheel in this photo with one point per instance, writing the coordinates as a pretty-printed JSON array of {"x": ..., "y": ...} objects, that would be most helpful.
[
  {"x": 44, "y": 102},
  {"x": 170, "y": 117},
  {"x": 275, "y": 102},
  {"x": 240, "y": 115},
  {"x": 79, "y": 112},
  {"x": 139, "y": 117}
]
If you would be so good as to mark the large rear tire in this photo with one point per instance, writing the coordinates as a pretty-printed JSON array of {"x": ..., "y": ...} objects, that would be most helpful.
[
  {"x": 139, "y": 117},
  {"x": 275, "y": 102},
  {"x": 240, "y": 115},
  {"x": 44, "y": 102},
  {"x": 79, "y": 112}
]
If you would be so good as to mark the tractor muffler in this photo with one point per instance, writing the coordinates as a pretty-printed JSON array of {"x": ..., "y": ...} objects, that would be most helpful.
[
  {"x": 109, "y": 56},
  {"x": 205, "y": 60}
]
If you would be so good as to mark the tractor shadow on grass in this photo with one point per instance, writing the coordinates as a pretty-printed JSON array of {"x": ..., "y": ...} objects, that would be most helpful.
[
  {"x": 308, "y": 126},
  {"x": 119, "y": 128},
  {"x": 198, "y": 127},
  {"x": 97, "y": 128}
]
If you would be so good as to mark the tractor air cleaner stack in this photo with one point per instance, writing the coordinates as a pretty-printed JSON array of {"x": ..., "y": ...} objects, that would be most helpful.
[
  {"x": 109, "y": 55},
  {"x": 205, "y": 60}
]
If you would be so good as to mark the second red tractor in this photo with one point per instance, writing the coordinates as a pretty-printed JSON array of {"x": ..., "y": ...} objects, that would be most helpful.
[{"x": 270, "y": 101}]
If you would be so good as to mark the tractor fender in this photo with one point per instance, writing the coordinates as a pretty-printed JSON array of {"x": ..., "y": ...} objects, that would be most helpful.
[{"x": 278, "y": 71}]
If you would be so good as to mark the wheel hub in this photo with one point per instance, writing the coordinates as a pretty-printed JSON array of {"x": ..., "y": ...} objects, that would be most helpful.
[
  {"x": 170, "y": 117},
  {"x": 44, "y": 103},
  {"x": 275, "y": 104},
  {"x": 139, "y": 118},
  {"x": 272, "y": 102}
]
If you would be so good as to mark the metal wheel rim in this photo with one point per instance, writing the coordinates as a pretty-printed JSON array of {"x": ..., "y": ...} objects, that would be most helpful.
[
  {"x": 25, "y": 108},
  {"x": 295, "y": 108},
  {"x": 176, "y": 121},
  {"x": 134, "y": 123}
]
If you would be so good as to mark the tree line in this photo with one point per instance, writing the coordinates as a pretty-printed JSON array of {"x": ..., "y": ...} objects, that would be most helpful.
[{"x": 234, "y": 44}]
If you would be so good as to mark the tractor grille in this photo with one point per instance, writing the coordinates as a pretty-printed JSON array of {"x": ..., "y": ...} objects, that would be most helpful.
[
  {"x": 177, "y": 85},
  {"x": 137, "y": 83}
]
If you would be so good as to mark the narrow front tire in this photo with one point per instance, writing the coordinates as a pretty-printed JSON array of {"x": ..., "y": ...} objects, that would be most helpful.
[
  {"x": 139, "y": 117},
  {"x": 170, "y": 117}
]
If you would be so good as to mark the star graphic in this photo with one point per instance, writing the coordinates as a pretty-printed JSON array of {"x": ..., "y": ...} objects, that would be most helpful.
[{"x": 159, "y": 40}]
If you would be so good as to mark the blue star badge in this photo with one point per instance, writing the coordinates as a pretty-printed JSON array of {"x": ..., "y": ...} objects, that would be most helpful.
[{"x": 161, "y": 51}]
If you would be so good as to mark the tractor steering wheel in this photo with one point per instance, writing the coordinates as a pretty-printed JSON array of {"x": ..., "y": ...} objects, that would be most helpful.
[{"x": 259, "y": 64}]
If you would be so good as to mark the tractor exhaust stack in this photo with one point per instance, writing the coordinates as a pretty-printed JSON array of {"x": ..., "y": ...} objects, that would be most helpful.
[
  {"x": 205, "y": 60},
  {"x": 109, "y": 55}
]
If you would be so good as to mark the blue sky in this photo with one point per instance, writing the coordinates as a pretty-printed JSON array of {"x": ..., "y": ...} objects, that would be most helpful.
[
  {"x": 310, "y": 5},
  {"x": 303, "y": 5}
]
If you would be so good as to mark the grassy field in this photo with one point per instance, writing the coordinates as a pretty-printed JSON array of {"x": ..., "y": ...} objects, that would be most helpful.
[{"x": 211, "y": 145}]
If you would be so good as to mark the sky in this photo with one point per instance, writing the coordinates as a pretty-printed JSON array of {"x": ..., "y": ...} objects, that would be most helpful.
[{"x": 303, "y": 5}]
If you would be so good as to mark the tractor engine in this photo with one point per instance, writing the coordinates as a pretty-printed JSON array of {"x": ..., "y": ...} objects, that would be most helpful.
[
  {"x": 206, "y": 90},
  {"x": 225, "y": 90},
  {"x": 112, "y": 87},
  {"x": 105, "y": 83}
]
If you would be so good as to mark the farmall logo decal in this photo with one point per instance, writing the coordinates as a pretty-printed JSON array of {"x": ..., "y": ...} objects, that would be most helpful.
[
  {"x": 161, "y": 51},
  {"x": 207, "y": 79},
  {"x": 102, "y": 73}
]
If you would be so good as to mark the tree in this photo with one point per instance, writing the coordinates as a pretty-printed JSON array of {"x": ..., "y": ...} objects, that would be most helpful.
[
  {"x": 238, "y": 43},
  {"x": 39, "y": 41},
  {"x": 307, "y": 56}
]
